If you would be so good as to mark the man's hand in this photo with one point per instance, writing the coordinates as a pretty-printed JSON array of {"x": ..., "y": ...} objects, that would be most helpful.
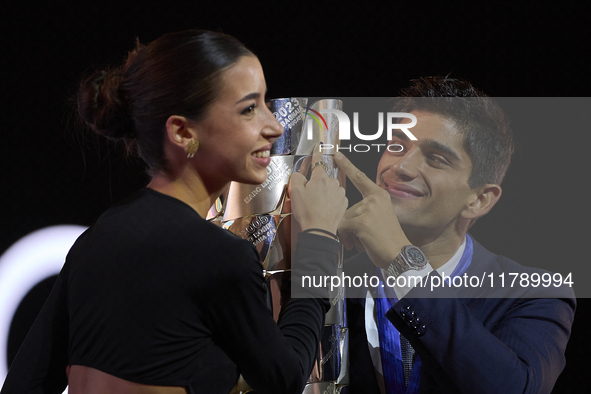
[{"x": 371, "y": 224}]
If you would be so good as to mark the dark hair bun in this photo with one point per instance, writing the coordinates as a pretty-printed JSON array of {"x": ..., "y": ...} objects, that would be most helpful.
[
  {"x": 101, "y": 106},
  {"x": 177, "y": 74}
]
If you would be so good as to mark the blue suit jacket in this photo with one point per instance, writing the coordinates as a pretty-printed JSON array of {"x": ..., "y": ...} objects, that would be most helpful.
[{"x": 480, "y": 343}]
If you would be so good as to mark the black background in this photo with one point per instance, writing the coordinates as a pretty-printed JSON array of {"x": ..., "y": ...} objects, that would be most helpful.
[{"x": 54, "y": 173}]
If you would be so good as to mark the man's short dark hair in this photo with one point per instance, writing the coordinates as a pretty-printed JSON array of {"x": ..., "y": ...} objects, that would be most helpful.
[{"x": 488, "y": 139}]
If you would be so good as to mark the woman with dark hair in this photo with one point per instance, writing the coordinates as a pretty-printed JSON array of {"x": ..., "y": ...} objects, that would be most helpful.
[{"x": 153, "y": 298}]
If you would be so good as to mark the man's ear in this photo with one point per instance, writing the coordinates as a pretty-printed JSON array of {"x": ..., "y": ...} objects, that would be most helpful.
[
  {"x": 484, "y": 198},
  {"x": 180, "y": 131}
]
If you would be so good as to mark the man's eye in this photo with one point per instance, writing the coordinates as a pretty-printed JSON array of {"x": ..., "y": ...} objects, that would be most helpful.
[
  {"x": 437, "y": 160},
  {"x": 249, "y": 110},
  {"x": 395, "y": 147}
]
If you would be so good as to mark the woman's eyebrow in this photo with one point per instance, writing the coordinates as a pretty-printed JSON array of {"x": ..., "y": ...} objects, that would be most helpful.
[{"x": 249, "y": 96}]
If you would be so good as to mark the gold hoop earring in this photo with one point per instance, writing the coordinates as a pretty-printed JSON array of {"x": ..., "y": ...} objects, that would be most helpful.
[{"x": 191, "y": 148}]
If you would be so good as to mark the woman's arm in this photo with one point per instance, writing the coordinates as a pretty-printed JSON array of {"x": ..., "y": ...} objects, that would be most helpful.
[
  {"x": 273, "y": 358},
  {"x": 41, "y": 362}
]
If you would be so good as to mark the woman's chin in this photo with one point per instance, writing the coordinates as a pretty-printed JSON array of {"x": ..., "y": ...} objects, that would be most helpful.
[{"x": 255, "y": 179}]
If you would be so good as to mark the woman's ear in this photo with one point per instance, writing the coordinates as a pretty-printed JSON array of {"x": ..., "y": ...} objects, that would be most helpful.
[
  {"x": 180, "y": 131},
  {"x": 485, "y": 197}
]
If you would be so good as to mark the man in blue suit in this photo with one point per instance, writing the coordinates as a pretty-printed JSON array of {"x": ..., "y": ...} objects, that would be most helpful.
[{"x": 452, "y": 330}]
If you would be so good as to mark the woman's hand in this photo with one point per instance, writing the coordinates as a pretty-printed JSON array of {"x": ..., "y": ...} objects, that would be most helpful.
[{"x": 319, "y": 202}]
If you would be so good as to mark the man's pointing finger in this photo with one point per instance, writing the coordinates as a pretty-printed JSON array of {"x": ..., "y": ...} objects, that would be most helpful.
[{"x": 365, "y": 185}]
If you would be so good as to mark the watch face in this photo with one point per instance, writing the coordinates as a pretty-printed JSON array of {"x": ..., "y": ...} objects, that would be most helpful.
[{"x": 415, "y": 256}]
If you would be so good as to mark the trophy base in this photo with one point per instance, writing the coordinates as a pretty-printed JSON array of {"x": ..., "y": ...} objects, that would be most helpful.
[
  {"x": 324, "y": 388},
  {"x": 311, "y": 388}
]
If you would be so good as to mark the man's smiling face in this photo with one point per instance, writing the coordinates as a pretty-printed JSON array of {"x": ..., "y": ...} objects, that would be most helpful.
[{"x": 428, "y": 179}]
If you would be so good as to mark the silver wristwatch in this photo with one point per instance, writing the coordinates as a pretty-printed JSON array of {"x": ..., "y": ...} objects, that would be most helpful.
[{"x": 410, "y": 258}]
